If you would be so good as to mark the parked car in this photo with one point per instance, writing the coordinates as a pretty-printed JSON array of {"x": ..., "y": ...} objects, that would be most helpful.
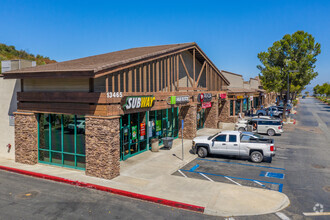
[
  {"x": 303, "y": 97},
  {"x": 80, "y": 126},
  {"x": 288, "y": 106},
  {"x": 235, "y": 143},
  {"x": 270, "y": 111},
  {"x": 261, "y": 126}
]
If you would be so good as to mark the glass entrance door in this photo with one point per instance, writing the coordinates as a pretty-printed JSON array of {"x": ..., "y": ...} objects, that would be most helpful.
[
  {"x": 133, "y": 138},
  {"x": 200, "y": 117}
]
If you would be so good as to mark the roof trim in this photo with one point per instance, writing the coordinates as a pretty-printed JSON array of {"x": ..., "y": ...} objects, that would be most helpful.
[{"x": 231, "y": 73}]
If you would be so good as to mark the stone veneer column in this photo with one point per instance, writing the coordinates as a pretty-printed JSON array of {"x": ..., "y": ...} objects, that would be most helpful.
[
  {"x": 211, "y": 116},
  {"x": 102, "y": 146},
  {"x": 189, "y": 115},
  {"x": 26, "y": 138},
  {"x": 224, "y": 112}
]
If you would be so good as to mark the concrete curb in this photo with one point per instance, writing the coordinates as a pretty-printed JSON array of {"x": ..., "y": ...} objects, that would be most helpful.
[{"x": 161, "y": 201}]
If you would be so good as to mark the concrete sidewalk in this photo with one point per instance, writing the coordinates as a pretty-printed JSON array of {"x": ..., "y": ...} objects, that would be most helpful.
[{"x": 149, "y": 174}]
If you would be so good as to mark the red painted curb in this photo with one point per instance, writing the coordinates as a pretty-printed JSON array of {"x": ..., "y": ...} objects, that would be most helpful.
[{"x": 108, "y": 189}]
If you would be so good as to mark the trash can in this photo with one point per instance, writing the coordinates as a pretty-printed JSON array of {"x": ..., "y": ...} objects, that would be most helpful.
[
  {"x": 168, "y": 142},
  {"x": 154, "y": 145}
]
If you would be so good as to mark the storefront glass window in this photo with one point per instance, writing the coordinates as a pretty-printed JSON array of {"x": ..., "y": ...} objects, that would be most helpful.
[
  {"x": 244, "y": 105},
  {"x": 238, "y": 106},
  {"x": 68, "y": 133},
  {"x": 135, "y": 130},
  {"x": 256, "y": 102},
  {"x": 61, "y": 140}
]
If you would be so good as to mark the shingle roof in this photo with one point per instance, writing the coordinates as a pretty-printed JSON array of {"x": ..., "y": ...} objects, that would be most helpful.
[{"x": 105, "y": 61}]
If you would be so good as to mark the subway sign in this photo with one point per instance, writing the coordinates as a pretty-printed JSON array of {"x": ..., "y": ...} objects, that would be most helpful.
[{"x": 138, "y": 102}]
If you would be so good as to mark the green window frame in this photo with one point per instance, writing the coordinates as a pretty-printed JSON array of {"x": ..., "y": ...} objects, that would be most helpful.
[{"x": 78, "y": 160}]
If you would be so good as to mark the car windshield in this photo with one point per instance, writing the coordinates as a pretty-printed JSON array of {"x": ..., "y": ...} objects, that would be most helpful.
[
  {"x": 257, "y": 136},
  {"x": 209, "y": 138}
]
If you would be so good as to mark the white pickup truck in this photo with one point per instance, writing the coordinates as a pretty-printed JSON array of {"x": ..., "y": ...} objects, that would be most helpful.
[{"x": 235, "y": 143}]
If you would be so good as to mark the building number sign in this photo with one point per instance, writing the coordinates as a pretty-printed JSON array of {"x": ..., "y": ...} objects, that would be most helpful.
[{"x": 114, "y": 95}]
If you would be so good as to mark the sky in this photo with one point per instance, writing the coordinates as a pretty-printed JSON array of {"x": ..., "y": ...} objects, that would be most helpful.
[{"x": 231, "y": 33}]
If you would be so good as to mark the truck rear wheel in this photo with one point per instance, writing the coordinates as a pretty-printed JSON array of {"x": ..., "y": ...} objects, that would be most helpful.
[
  {"x": 202, "y": 152},
  {"x": 256, "y": 157}
]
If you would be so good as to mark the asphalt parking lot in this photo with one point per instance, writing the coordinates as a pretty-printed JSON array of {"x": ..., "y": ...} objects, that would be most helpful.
[{"x": 235, "y": 171}]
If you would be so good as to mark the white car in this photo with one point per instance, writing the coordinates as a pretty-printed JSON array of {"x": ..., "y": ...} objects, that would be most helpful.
[
  {"x": 235, "y": 143},
  {"x": 80, "y": 126}
]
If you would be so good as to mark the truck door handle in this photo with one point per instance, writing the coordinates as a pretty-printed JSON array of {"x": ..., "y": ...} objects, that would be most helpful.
[
  {"x": 223, "y": 144},
  {"x": 235, "y": 144}
]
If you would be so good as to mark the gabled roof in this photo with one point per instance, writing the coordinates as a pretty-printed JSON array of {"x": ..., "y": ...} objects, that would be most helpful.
[{"x": 95, "y": 66}]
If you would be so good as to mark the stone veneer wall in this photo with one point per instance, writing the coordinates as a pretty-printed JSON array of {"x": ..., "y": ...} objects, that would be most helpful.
[
  {"x": 211, "y": 116},
  {"x": 102, "y": 146},
  {"x": 26, "y": 138},
  {"x": 189, "y": 115},
  {"x": 224, "y": 112}
]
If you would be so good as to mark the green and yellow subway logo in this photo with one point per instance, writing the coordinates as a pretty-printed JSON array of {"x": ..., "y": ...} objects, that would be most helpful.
[{"x": 136, "y": 102}]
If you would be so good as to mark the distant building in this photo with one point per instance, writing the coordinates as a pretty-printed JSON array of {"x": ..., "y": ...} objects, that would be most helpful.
[
  {"x": 8, "y": 65},
  {"x": 8, "y": 104},
  {"x": 244, "y": 96}
]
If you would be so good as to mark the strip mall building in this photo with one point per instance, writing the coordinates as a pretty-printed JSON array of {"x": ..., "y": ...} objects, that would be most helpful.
[{"x": 92, "y": 112}]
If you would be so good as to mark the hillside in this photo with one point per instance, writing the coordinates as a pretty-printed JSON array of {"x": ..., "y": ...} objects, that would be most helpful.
[{"x": 10, "y": 53}]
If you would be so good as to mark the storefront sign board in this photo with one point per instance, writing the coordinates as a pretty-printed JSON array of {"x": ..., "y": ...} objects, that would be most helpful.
[
  {"x": 239, "y": 97},
  {"x": 204, "y": 97},
  {"x": 251, "y": 98},
  {"x": 134, "y": 132},
  {"x": 137, "y": 102},
  {"x": 206, "y": 105},
  {"x": 142, "y": 129},
  {"x": 223, "y": 95},
  {"x": 158, "y": 125},
  {"x": 178, "y": 100}
]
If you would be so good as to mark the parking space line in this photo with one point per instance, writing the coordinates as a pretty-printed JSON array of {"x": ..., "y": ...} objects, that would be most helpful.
[
  {"x": 233, "y": 181},
  {"x": 250, "y": 165},
  {"x": 206, "y": 177},
  {"x": 257, "y": 182},
  {"x": 182, "y": 173},
  {"x": 282, "y": 216},
  {"x": 280, "y": 185},
  {"x": 194, "y": 167}
]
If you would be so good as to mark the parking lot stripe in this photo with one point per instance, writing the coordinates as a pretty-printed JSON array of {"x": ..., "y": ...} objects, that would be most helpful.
[
  {"x": 282, "y": 216},
  {"x": 233, "y": 181},
  {"x": 194, "y": 167},
  {"x": 280, "y": 185},
  {"x": 206, "y": 177},
  {"x": 257, "y": 182},
  {"x": 250, "y": 165},
  {"x": 182, "y": 173}
]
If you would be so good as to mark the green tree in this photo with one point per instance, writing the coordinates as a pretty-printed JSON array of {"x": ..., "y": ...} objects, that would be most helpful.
[
  {"x": 10, "y": 53},
  {"x": 316, "y": 90},
  {"x": 293, "y": 57}
]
